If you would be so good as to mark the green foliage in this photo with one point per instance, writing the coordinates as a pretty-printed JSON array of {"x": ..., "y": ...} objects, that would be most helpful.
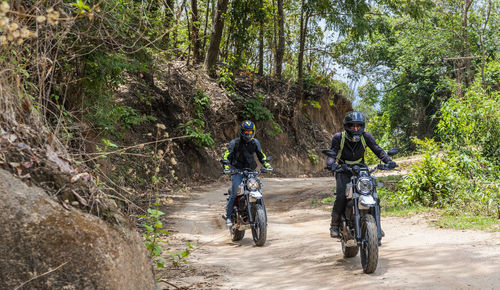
[
  {"x": 194, "y": 129},
  {"x": 467, "y": 221},
  {"x": 255, "y": 110},
  {"x": 492, "y": 73},
  {"x": 454, "y": 180},
  {"x": 369, "y": 97},
  {"x": 473, "y": 122},
  {"x": 152, "y": 235},
  {"x": 226, "y": 78},
  {"x": 82, "y": 8},
  {"x": 201, "y": 101},
  {"x": 314, "y": 104},
  {"x": 112, "y": 118},
  {"x": 276, "y": 129},
  {"x": 312, "y": 157}
]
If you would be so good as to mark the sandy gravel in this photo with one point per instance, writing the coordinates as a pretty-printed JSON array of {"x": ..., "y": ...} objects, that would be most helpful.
[{"x": 299, "y": 254}]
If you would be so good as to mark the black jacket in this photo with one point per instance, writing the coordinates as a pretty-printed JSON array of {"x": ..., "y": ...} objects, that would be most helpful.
[
  {"x": 354, "y": 150},
  {"x": 240, "y": 154}
]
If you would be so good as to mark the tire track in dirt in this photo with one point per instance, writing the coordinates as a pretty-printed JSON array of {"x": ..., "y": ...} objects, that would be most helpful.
[{"x": 299, "y": 253}]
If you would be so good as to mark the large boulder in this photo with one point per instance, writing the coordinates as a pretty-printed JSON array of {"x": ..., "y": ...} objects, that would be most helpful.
[{"x": 46, "y": 246}]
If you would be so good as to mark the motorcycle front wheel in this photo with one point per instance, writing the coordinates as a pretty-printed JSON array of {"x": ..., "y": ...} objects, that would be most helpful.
[
  {"x": 259, "y": 231},
  {"x": 369, "y": 244}
]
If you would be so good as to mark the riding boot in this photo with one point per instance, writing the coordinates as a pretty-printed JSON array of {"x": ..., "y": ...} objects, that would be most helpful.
[{"x": 334, "y": 225}]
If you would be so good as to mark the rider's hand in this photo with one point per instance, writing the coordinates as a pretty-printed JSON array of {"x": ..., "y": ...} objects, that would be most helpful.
[
  {"x": 392, "y": 165},
  {"x": 227, "y": 170},
  {"x": 333, "y": 167}
]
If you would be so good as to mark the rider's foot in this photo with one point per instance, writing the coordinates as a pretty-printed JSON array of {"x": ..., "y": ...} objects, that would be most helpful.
[
  {"x": 229, "y": 223},
  {"x": 334, "y": 232}
]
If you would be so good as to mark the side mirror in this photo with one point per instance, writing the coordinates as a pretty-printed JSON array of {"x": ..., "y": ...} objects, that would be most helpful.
[
  {"x": 329, "y": 153},
  {"x": 393, "y": 151},
  {"x": 225, "y": 162}
]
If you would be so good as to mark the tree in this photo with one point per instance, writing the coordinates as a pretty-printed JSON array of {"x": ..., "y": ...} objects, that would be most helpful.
[
  {"x": 305, "y": 13},
  {"x": 280, "y": 50},
  {"x": 213, "y": 47},
  {"x": 195, "y": 28}
]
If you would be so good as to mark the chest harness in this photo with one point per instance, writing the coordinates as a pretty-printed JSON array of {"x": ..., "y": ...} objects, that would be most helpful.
[{"x": 342, "y": 141}]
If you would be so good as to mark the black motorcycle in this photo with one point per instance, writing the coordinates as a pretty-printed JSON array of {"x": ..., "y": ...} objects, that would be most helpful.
[
  {"x": 360, "y": 223},
  {"x": 249, "y": 211}
]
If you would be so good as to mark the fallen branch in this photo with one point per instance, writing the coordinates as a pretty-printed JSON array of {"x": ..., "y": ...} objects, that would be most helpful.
[{"x": 36, "y": 277}]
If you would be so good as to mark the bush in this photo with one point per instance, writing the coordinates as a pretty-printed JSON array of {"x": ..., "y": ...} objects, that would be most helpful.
[
  {"x": 457, "y": 180},
  {"x": 255, "y": 110},
  {"x": 472, "y": 122}
]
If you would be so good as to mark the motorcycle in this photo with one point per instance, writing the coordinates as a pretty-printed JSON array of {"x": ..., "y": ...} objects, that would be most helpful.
[
  {"x": 360, "y": 223},
  {"x": 249, "y": 210}
]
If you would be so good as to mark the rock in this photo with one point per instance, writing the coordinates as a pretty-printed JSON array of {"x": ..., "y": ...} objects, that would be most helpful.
[{"x": 49, "y": 247}]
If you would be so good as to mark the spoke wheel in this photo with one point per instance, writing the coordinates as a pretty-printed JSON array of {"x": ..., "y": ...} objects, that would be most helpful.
[
  {"x": 259, "y": 231},
  {"x": 369, "y": 244}
]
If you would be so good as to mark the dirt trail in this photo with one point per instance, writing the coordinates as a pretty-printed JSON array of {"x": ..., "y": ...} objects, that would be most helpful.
[{"x": 299, "y": 253}]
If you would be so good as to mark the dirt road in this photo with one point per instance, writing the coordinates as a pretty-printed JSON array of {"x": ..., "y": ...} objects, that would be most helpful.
[{"x": 299, "y": 253}]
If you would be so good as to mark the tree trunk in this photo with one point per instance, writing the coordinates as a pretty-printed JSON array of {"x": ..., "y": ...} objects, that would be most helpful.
[
  {"x": 195, "y": 28},
  {"x": 280, "y": 51},
  {"x": 169, "y": 19},
  {"x": 213, "y": 47},
  {"x": 189, "y": 37},
  {"x": 206, "y": 26},
  {"x": 482, "y": 42},
  {"x": 261, "y": 44},
  {"x": 468, "y": 74},
  {"x": 304, "y": 18}
]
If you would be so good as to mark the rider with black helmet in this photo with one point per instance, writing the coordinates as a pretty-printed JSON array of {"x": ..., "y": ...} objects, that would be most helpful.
[
  {"x": 349, "y": 147},
  {"x": 240, "y": 154}
]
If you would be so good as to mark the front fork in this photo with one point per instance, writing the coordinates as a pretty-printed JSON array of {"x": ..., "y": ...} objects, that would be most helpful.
[
  {"x": 357, "y": 221},
  {"x": 377, "y": 221},
  {"x": 249, "y": 209}
]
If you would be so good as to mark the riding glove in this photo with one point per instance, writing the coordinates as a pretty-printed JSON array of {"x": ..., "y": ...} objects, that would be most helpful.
[
  {"x": 227, "y": 170},
  {"x": 332, "y": 167},
  {"x": 392, "y": 164}
]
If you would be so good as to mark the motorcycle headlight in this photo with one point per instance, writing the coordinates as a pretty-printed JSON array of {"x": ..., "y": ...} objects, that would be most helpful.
[
  {"x": 366, "y": 201},
  {"x": 364, "y": 185},
  {"x": 253, "y": 184},
  {"x": 254, "y": 195}
]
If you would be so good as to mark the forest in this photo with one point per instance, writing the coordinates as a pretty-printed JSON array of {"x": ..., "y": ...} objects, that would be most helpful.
[{"x": 101, "y": 103}]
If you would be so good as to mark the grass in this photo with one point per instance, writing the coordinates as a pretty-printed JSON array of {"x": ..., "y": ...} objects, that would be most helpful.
[
  {"x": 465, "y": 221},
  {"x": 403, "y": 211}
]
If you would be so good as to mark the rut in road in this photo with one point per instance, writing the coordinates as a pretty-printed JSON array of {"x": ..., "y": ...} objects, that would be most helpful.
[{"x": 300, "y": 254}]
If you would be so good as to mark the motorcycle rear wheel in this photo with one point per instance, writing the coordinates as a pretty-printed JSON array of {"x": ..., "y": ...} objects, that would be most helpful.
[
  {"x": 259, "y": 231},
  {"x": 236, "y": 235},
  {"x": 349, "y": 252},
  {"x": 369, "y": 244}
]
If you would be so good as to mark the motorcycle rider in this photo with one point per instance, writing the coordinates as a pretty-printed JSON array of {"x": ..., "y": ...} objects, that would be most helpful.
[
  {"x": 240, "y": 154},
  {"x": 349, "y": 147}
]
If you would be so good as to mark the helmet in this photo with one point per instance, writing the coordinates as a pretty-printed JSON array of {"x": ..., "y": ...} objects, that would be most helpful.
[
  {"x": 354, "y": 118},
  {"x": 247, "y": 130}
]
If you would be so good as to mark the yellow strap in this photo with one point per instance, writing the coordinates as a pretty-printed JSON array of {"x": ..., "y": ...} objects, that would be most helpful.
[
  {"x": 353, "y": 162},
  {"x": 342, "y": 141}
]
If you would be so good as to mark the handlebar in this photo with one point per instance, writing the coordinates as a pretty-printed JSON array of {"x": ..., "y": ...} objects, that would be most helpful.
[
  {"x": 349, "y": 168},
  {"x": 247, "y": 171}
]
